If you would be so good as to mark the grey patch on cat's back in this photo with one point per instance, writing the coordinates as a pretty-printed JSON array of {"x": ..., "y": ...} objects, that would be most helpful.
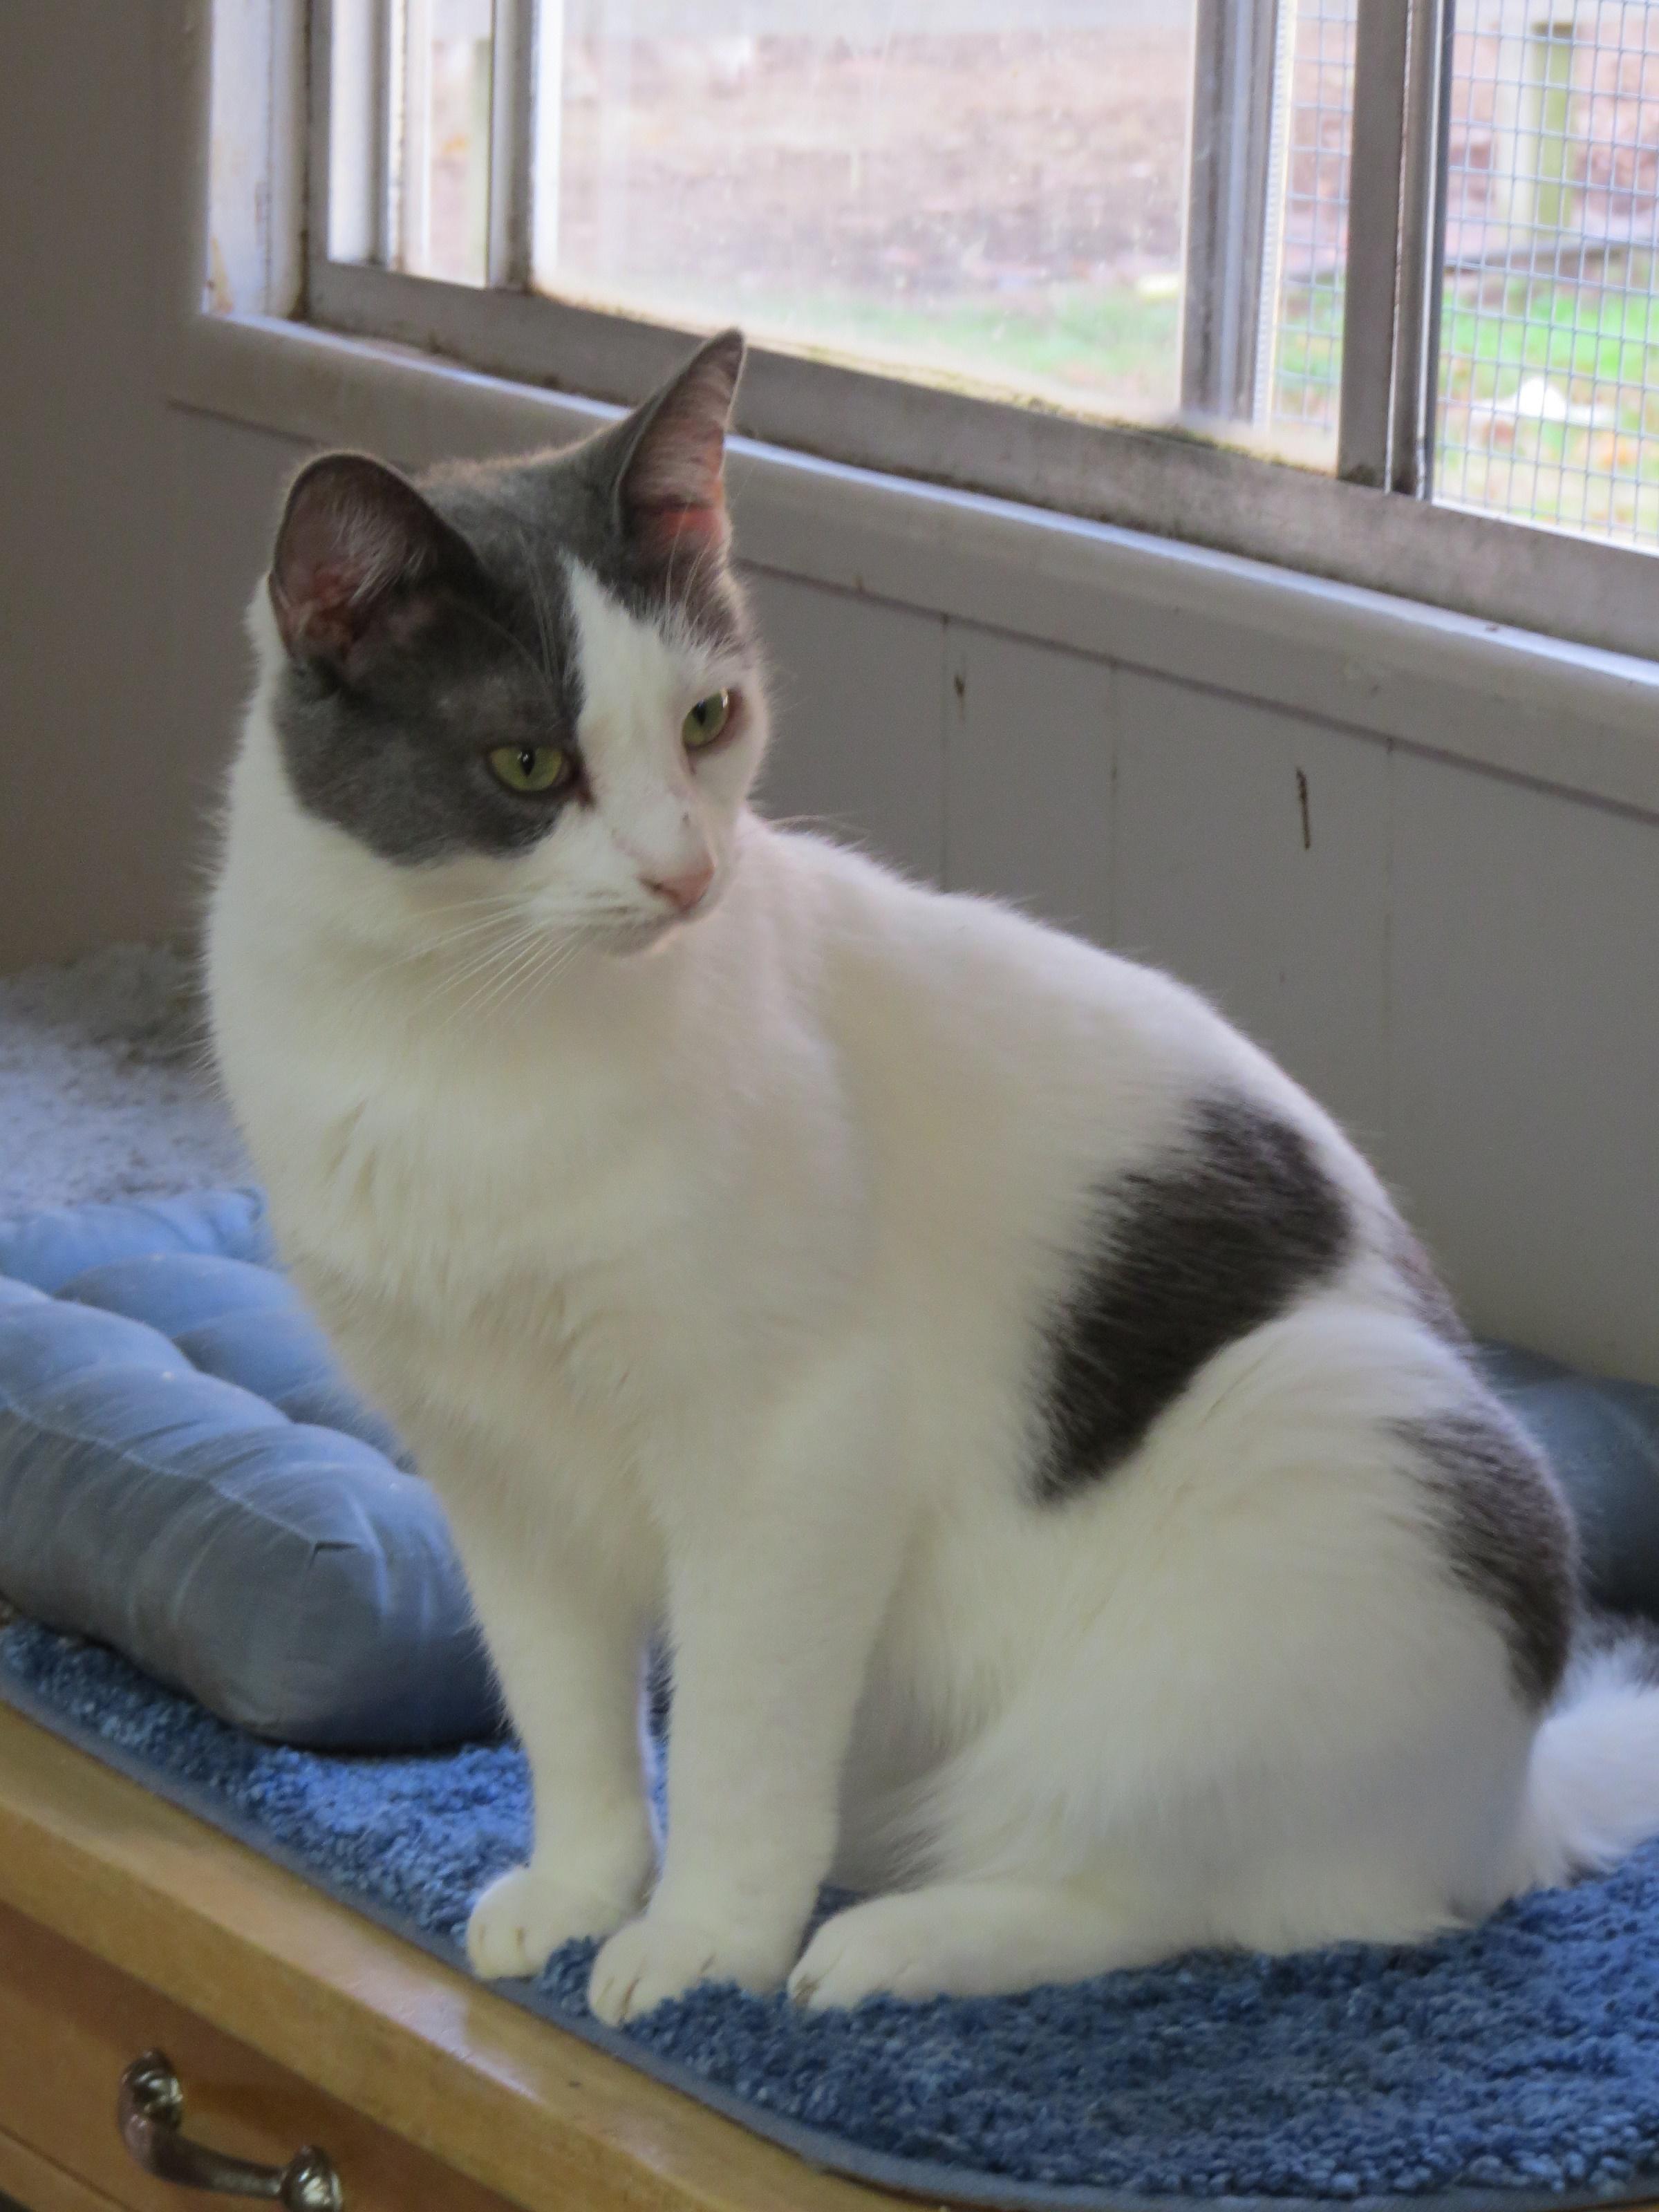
[
  {"x": 1506, "y": 1533},
  {"x": 1428, "y": 1294},
  {"x": 1181, "y": 1259}
]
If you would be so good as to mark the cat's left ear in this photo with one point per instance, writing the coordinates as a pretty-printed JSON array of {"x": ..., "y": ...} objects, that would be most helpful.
[{"x": 671, "y": 484}]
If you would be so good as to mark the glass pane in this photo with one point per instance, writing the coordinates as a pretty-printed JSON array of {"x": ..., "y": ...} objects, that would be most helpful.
[
  {"x": 982, "y": 191},
  {"x": 442, "y": 186},
  {"x": 1306, "y": 258},
  {"x": 1549, "y": 353}
]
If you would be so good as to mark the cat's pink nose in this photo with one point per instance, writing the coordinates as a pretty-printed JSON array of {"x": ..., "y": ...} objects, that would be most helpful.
[{"x": 683, "y": 891}]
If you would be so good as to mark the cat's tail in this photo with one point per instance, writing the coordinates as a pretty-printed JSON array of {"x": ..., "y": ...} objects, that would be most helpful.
[{"x": 1593, "y": 1787}]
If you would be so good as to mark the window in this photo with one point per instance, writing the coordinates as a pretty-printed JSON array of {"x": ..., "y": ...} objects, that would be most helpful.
[
  {"x": 956, "y": 189},
  {"x": 1196, "y": 266},
  {"x": 1549, "y": 346}
]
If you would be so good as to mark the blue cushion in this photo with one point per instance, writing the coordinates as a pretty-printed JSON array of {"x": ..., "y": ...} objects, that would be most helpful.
[
  {"x": 48, "y": 1249},
  {"x": 1603, "y": 1439},
  {"x": 184, "y": 1475}
]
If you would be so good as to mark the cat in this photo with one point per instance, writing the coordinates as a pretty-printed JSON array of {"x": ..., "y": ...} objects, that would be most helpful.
[{"x": 1060, "y": 1482}]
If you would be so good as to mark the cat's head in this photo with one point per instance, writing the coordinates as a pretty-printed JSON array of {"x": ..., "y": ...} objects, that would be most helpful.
[{"x": 528, "y": 683}]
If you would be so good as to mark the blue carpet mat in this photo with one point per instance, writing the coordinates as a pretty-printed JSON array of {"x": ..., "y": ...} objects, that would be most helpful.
[{"x": 1516, "y": 2066}]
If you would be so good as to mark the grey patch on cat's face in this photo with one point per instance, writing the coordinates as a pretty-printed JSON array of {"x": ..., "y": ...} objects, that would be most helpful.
[
  {"x": 1506, "y": 1533},
  {"x": 570, "y": 502},
  {"x": 429, "y": 623},
  {"x": 1181, "y": 1259},
  {"x": 397, "y": 756}
]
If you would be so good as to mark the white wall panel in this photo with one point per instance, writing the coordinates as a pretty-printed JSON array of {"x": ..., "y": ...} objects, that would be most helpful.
[
  {"x": 225, "y": 487},
  {"x": 1251, "y": 859},
  {"x": 1525, "y": 1057},
  {"x": 1029, "y": 755},
  {"x": 858, "y": 713}
]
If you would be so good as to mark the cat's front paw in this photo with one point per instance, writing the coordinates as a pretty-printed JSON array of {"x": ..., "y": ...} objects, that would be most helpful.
[
  {"x": 656, "y": 1957},
  {"x": 524, "y": 1916}
]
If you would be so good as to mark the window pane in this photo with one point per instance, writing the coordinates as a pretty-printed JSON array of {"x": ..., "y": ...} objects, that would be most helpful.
[
  {"x": 986, "y": 190},
  {"x": 1549, "y": 356},
  {"x": 441, "y": 182}
]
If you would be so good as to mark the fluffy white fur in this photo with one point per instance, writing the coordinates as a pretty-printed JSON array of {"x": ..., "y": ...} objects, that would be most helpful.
[{"x": 698, "y": 1264}]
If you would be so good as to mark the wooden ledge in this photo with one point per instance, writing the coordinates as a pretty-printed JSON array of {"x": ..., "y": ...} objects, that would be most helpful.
[{"x": 514, "y": 2104}]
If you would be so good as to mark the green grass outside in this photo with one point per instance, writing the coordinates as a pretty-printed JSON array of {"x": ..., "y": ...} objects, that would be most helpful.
[
  {"x": 1590, "y": 349},
  {"x": 1578, "y": 334},
  {"x": 1308, "y": 370},
  {"x": 1107, "y": 341},
  {"x": 1107, "y": 346}
]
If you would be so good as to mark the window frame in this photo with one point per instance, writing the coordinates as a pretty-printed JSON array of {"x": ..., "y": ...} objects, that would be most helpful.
[{"x": 1368, "y": 525}]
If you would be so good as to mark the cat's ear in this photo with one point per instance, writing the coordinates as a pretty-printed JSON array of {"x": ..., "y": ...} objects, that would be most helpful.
[
  {"x": 671, "y": 483},
  {"x": 360, "y": 558}
]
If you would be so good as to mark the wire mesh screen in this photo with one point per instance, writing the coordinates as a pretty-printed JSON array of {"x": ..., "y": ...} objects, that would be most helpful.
[
  {"x": 1549, "y": 344},
  {"x": 1312, "y": 125}
]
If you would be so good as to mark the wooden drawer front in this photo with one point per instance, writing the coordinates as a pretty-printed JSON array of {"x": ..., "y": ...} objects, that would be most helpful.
[
  {"x": 69, "y": 2025},
  {"x": 29, "y": 2183}
]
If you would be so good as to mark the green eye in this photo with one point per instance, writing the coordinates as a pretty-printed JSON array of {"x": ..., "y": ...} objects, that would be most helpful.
[
  {"x": 530, "y": 768},
  {"x": 706, "y": 720}
]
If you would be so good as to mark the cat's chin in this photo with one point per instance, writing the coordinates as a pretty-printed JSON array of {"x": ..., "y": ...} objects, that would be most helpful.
[{"x": 634, "y": 940}]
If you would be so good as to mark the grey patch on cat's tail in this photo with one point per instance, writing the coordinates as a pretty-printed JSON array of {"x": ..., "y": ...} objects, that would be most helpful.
[
  {"x": 1629, "y": 1642},
  {"x": 1180, "y": 1260},
  {"x": 1507, "y": 1536}
]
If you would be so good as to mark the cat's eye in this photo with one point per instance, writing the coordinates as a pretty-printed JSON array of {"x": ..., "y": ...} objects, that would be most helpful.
[
  {"x": 706, "y": 720},
  {"x": 531, "y": 767}
]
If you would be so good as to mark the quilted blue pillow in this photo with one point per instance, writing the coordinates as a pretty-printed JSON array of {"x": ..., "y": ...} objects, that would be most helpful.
[{"x": 184, "y": 1475}]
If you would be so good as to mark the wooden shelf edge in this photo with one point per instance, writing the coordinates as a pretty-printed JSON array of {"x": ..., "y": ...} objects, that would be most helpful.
[{"x": 504, "y": 2098}]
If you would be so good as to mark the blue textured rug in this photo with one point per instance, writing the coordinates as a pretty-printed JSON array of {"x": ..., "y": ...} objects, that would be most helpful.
[{"x": 1516, "y": 2066}]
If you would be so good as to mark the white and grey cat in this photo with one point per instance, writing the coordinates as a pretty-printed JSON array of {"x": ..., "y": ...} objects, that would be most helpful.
[{"x": 1058, "y": 1480}]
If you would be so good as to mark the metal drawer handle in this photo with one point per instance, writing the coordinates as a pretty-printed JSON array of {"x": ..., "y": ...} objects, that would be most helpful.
[{"x": 148, "y": 2114}]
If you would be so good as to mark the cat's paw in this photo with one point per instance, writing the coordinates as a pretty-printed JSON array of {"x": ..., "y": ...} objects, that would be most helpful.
[
  {"x": 896, "y": 1946},
  {"x": 655, "y": 1958},
  {"x": 524, "y": 1916}
]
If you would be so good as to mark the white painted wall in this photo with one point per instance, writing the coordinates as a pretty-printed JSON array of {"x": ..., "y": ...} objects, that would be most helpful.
[{"x": 1457, "y": 959}]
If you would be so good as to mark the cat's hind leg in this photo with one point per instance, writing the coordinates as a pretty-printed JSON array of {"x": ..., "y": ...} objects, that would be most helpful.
[{"x": 982, "y": 1938}]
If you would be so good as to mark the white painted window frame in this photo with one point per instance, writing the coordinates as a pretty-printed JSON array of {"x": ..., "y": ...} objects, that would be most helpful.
[
  {"x": 1230, "y": 182},
  {"x": 1489, "y": 642}
]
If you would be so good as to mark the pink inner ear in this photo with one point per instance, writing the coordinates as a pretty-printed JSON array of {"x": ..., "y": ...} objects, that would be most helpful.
[
  {"x": 673, "y": 493},
  {"x": 320, "y": 615},
  {"x": 664, "y": 530},
  {"x": 326, "y": 571},
  {"x": 352, "y": 530}
]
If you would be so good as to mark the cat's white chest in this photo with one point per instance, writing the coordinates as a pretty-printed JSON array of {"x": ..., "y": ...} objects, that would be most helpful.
[{"x": 483, "y": 1234}]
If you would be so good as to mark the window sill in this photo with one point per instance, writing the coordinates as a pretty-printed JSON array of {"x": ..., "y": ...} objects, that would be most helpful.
[{"x": 1579, "y": 718}]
